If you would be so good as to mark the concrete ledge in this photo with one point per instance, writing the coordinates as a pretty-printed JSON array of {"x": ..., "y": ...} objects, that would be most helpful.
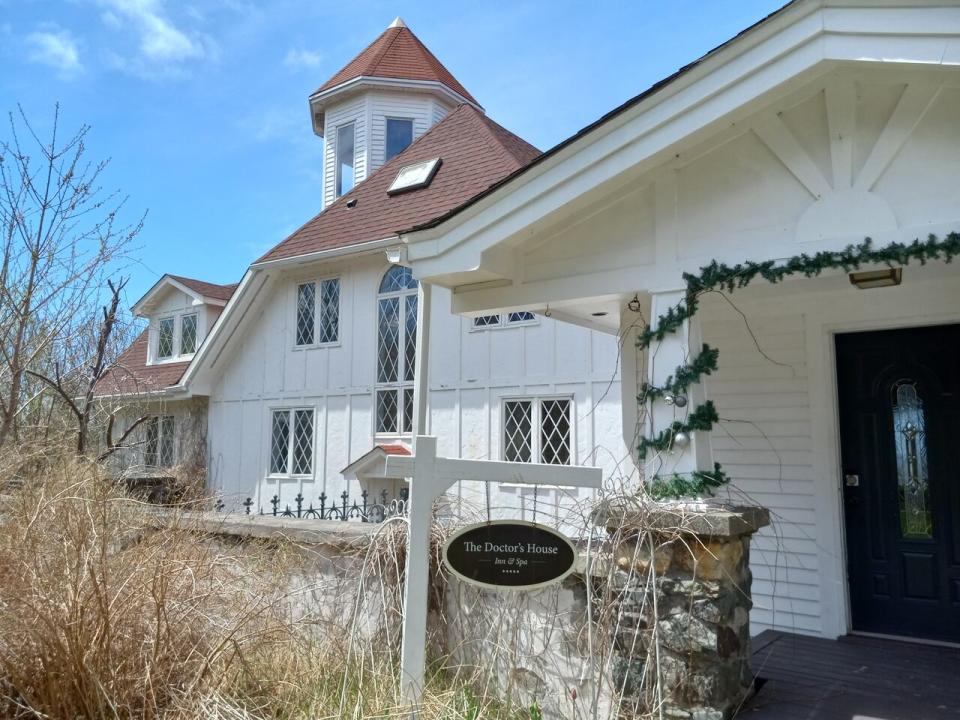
[
  {"x": 705, "y": 519},
  {"x": 268, "y": 527}
]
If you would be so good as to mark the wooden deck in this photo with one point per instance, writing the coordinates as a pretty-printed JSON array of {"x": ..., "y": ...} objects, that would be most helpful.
[{"x": 853, "y": 678}]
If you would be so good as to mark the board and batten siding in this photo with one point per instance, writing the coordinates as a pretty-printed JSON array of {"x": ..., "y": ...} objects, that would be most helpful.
[{"x": 470, "y": 372}]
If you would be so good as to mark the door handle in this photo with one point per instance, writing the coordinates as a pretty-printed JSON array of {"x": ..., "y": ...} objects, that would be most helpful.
[{"x": 851, "y": 480}]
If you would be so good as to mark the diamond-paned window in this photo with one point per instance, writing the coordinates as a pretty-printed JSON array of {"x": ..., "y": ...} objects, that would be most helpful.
[
  {"x": 167, "y": 458},
  {"x": 291, "y": 442},
  {"x": 302, "y": 442},
  {"x": 503, "y": 320},
  {"x": 396, "y": 350},
  {"x": 388, "y": 340},
  {"x": 280, "y": 442},
  {"x": 407, "y": 410},
  {"x": 188, "y": 334},
  {"x": 329, "y": 311},
  {"x": 518, "y": 430},
  {"x": 158, "y": 449},
  {"x": 409, "y": 336},
  {"x": 165, "y": 338},
  {"x": 519, "y": 317},
  {"x": 486, "y": 321},
  {"x": 538, "y": 430},
  {"x": 555, "y": 432},
  {"x": 306, "y": 310},
  {"x": 386, "y": 411},
  {"x": 151, "y": 445}
]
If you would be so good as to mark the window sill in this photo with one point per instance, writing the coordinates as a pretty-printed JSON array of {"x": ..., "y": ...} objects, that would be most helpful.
[
  {"x": 269, "y": 477},
  {"x": 171, "y": 360},
  {"x": 317, "y": 346},
  {"x": 503, "y": 326}
]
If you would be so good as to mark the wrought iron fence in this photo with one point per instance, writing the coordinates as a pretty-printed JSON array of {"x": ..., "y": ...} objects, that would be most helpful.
[{"x": 345, "y": 509}]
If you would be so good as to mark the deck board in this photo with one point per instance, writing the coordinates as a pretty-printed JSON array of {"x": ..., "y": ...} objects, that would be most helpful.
[{"x": 852, "y": 678}]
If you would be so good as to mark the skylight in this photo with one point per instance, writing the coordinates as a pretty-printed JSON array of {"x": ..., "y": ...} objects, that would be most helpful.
[{"x": 413, "y": 177}]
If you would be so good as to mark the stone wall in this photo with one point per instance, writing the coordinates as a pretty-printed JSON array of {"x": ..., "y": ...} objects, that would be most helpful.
[
  {"x": 683, "y": 580},
  {"x": 657, "y": 624}
]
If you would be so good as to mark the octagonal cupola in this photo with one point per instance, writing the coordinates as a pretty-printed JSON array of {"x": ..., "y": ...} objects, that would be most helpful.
[{"x": 380, "y": 102}]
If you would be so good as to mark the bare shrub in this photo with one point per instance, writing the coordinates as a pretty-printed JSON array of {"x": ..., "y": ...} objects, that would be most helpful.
[{"x": 107, "y": 612}]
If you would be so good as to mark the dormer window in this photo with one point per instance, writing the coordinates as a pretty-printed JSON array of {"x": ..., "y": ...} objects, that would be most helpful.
[
  {"x": 165, "y": 339},
  {"x": 176, "y": 337},
  {"x": 345, "y": 157},
  {"x": 399, "y": 135},
  {"x": 188, "y": 334}
]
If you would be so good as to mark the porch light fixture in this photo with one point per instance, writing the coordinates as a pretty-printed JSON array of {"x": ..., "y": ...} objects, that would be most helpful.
[{"x": 876, "y": 278}]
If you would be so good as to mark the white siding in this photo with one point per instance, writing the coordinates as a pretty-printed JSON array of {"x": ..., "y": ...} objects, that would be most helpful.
[
  {"x": 470, "y": 371},
  {"x": 407, "y": 106},
  {"x": 355, "y": 111}
]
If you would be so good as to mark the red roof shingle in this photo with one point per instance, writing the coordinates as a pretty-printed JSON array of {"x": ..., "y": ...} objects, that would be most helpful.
[
  {"x": 209, "y": 290},
  {"x": 475, "y": 153},
  {"x": 130, "y": 374},
  {"x": 397, "y": 53}
]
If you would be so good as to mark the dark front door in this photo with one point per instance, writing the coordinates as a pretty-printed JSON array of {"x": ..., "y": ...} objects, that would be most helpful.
[{"x": 900, "y": 436}]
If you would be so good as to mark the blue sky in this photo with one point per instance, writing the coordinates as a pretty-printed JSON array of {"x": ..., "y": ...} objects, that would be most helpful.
[{"x": 202, "y": 105}]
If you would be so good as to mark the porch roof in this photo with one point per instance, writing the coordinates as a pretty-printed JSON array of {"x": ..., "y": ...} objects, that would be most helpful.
[{"x": 597, "y": 218}]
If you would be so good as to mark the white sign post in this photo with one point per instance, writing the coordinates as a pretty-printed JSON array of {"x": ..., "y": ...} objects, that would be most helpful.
[{"x": 430, "y": 476}]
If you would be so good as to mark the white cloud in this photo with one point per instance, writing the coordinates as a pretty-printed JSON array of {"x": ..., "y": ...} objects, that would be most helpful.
[
  {"x": 56, "y": 49},
  {"x": 160, "y": 43},
  {"x": 299, "y": 59}
]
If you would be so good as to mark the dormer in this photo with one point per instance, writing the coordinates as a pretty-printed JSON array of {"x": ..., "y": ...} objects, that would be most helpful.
[
  {"x": 181, "y": 311},
  {"x": 380, "y": 102}
]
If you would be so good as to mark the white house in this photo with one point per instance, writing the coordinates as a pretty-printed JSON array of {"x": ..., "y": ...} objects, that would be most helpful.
[
  {"x": 838, "y": 395},
  {"x": 303, "y": 382}
]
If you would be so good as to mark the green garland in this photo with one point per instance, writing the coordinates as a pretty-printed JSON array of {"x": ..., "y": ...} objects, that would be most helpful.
[{"x": 719, "y": 276}]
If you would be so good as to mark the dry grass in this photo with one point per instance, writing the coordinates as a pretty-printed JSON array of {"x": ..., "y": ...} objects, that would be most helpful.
[{"x": 109, "y": 611}]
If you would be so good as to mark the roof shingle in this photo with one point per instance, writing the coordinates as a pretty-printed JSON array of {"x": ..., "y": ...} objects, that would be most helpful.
[
  {"x": 397, "y": 53},
  {"x": 475, "y": 153}
]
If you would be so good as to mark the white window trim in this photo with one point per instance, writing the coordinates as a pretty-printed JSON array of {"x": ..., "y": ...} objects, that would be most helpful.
[
  {"x": 336, "y": 158},
  {"x": 290, "y": 409},
  {"x": 316, "y": 300},
  {"x": 153, "y": 339},
  {"x": 503, "y": 323},
  {"x": 536, "y": 420},
  {"x": 413, "y": 131}
]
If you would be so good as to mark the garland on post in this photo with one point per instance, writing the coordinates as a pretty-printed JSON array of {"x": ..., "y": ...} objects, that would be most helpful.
[{"x": 719, "y": 276}]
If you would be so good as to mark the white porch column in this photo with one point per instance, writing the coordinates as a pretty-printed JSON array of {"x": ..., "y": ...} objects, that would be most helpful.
[
  {"x": 663, "y": 359},
  {"x": 421, "y": 371}
]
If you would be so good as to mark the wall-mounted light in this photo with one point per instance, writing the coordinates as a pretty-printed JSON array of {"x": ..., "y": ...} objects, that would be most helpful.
[{"x": 876, "y": 278}]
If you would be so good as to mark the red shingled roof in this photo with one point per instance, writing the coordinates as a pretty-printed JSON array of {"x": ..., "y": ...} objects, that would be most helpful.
[
  {"x": 131, "y": 375},
  {"x": 397, "y": 53},
  {"x": 210, "y": 290},
  {"x": 475, "y": 153}
]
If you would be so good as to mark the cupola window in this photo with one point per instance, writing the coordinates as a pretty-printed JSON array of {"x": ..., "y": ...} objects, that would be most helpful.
[
  {"x": 399, "y": 135},
  {"x": 345, "y": 156}
]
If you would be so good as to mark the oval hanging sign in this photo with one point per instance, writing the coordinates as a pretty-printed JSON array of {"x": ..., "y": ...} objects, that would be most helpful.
[{"x": 509, "y": 554}]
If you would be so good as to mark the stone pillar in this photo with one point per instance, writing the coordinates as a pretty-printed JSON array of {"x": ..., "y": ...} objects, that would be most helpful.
[{"x": 683, "y": 636}]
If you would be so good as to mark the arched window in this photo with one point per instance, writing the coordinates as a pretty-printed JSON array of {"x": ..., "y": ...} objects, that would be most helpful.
[{"x": 396, "y": 350}]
